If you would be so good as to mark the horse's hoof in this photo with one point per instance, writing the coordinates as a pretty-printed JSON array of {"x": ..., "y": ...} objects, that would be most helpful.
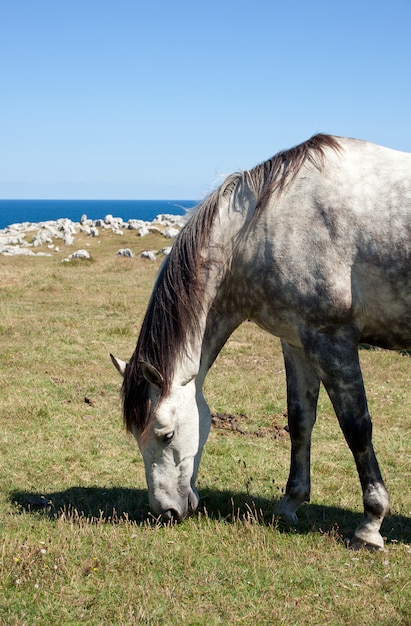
[
  {"x": 287, "y": 517},
  {"x": 373, "y": 543}
]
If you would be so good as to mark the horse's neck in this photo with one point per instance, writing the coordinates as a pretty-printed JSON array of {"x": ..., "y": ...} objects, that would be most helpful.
[
  {"x": 221, "y": 314},
  {"x": 215, "y": 327}
]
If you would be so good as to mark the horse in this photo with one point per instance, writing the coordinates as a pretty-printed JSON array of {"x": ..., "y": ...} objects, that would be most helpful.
[{"x": 314, "y": 246}]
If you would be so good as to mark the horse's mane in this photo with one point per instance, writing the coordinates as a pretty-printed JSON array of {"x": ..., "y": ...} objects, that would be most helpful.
[{"x": 176, "y": 301}]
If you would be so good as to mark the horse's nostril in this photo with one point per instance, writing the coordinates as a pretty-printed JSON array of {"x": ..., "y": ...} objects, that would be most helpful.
[{"x": 171, "y": 515}]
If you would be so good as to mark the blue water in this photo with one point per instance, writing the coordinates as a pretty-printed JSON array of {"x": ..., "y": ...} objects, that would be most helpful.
[{"x": 16, "y": 211}]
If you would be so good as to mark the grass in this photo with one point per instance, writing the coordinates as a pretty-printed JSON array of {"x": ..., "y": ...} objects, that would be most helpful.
[{"x": 78, "y": 542}]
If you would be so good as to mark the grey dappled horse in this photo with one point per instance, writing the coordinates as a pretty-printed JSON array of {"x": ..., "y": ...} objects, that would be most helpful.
[{"x": 314, "y": 246}]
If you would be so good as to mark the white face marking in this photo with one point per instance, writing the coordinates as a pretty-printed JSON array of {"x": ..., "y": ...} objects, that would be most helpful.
[{"x": 172, "y": 448}]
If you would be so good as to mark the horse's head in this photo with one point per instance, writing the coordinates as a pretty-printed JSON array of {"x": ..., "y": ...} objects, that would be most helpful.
[{"x": 171, "y": 442}]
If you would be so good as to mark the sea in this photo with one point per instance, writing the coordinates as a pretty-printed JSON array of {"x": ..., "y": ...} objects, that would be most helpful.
[{"x": 18, "y": 211}]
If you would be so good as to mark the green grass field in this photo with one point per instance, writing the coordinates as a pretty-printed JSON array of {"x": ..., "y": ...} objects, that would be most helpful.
[{"x": 78, "y": 543}]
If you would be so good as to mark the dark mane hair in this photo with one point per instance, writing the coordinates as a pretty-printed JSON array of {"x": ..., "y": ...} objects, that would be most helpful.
[{"x": 176, "y": 301}]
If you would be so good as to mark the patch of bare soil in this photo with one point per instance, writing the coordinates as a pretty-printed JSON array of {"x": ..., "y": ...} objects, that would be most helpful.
[{"x": 238, "y": 424}]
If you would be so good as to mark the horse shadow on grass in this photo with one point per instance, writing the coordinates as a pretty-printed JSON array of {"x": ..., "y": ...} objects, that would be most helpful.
[{"x": 118, "y": 505}]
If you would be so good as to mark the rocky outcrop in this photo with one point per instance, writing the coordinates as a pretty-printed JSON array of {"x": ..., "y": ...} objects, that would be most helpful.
[{"x": 23, "y": 238}]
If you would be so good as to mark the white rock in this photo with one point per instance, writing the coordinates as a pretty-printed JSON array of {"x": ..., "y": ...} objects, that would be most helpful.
[
  {"x": 79, "y": 254},
  {"x": 42, "y": 237},
  {"x": 17, "y": 251},
  {"x": 149, "y": 254},
  {"x": 166, "y": 251},
  {"x": 155, "y": 230},
  {"x": 125, "y": 252},
  {"x": 134, "y": 224},
  {"x": 65, "y": 225},
  {"x": 11, "y": 240},
  {"x": 170, "y": 233},
  {"x": 168, "y": 220},
  {"x": 143, "y": 231}
]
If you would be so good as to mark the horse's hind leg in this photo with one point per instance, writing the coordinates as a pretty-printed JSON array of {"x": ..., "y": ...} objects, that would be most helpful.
[
  {"x": 302, "y": 394},
  {"x": 336, "y": 359}
]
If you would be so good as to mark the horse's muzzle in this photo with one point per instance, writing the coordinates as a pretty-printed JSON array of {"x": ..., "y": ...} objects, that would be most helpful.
[{"x": 177, "y": 514}]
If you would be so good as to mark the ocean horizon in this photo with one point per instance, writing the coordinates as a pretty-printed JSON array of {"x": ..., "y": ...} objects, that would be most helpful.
[{"x": 19, "y": 211}]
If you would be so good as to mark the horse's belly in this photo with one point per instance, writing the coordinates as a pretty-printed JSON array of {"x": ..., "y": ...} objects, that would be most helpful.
[
  {"x": 380, "y": 308},
  {"x": 385, "y": 311},
  {"x": 391, "y": 339},
  {"x": 387, "y": 333}
]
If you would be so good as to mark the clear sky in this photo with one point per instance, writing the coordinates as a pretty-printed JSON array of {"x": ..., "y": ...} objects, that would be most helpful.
[{"x": 159, "y": 98}]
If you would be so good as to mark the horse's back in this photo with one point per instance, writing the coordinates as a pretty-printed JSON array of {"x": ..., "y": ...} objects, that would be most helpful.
[{"x": 337, "y": 246}]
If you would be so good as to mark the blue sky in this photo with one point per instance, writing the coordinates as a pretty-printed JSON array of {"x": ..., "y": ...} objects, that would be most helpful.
[{"x": 159, "y": 99}]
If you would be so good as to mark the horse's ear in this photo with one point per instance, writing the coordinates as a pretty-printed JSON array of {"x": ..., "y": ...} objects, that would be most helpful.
[
  {"x": 151, "y": 374},
  {"x": 119, "y": 364}
]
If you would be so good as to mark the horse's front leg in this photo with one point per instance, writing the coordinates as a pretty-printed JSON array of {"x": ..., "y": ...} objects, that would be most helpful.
[
  {"x": 302, "y": 394},
  {"x": 336, "y": 359}
]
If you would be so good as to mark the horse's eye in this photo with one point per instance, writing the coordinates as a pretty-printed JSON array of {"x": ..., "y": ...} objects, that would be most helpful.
[{"x": 168, "y": 437}]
